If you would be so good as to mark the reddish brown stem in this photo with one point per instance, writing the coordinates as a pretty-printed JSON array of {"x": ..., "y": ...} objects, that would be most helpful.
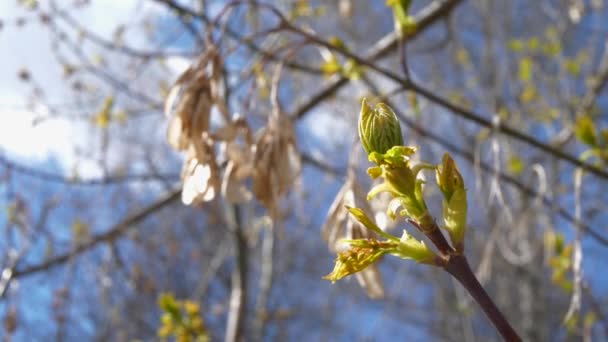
[{"x": 459, "y": 268}]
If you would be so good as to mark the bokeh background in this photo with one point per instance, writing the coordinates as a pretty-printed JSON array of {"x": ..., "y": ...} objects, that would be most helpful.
[{"x": 93, "y": 229}]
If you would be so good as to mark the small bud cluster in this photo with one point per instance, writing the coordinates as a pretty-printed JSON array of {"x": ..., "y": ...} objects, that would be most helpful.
[
  {"x": 380, "y": 134},
  {"x": 181, "y": 320}
]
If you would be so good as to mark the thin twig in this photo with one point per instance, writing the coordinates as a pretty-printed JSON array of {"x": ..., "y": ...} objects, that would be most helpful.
[
  {"x": 383, "y": 48},
  {"x": 469, "y": 115},
  {"x": 111, "y": 234},
  {"x": 238, "y": 294},
  {"x": 57, "y": 178}
]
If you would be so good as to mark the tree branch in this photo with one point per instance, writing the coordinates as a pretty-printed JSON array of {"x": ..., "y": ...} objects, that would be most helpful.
[
  {"x": 57, "y": 178},
  {"x": 384, "y": 47},
  {"x": 459, "y": 268},
  {"x": 110, "y": 235}
]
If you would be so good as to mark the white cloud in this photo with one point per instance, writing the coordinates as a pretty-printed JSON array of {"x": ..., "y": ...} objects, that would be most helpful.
[
  {"x": 19, "y": 137},
  {"x": 30, "y": 48}
]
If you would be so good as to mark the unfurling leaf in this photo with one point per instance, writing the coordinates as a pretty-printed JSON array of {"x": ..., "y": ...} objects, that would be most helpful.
[
  {"x": 340, "y": 226},
  {"x": 364, "y": 252},
  {"x": 358, "y": 258},
  {"x": 368, "y": 223}
]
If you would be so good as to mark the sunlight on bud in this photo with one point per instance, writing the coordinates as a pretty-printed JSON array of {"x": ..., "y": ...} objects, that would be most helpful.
[{"x": 379, "y": 128}]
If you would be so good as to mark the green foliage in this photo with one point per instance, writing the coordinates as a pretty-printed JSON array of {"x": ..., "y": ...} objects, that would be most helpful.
[
  {"x": 560, "y": 261},
  {"x": 404, "y": 23},
  {"x": 451, "y": 184},
  {"x": 525, "y": 69},
  {"x": 399, "y": 174},
  {"x": 181, "y": 320},
  {"x": 585, "y": 131},
  {"x": 515, "y": 164},
  {"x": 362, "y": 253},
  {"x": 516, "y": 45},
  {"x": 331, "y": 64},
  {"x": 596, "y": 139}
]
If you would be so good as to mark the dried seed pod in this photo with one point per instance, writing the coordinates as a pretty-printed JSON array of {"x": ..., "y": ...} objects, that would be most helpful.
[
  {"x": 200, "y": 174},
  {"x": 277, "y": 163}
]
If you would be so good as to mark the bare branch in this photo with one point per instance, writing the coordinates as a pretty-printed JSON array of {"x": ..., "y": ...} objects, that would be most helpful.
[
  {"x": 427, "y": 16},
  {"x": 56, "y": 178},
  {"x": 110, "y": 235}
]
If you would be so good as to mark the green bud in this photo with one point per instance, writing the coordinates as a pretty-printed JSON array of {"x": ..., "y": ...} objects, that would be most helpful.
[
  {"x": 379, "y": 128},
  {"x": 455, "y": 218},
  {"x": 448, "y": 177},
  {"x": 451, "y": 184}
]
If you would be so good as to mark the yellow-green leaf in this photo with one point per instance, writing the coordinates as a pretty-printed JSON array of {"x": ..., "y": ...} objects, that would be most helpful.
[
  {"x": 516, "y": 45},
  {"x": 337, "y": 42},
  {"x": 515, "y": 165},
  {"x": 410, "y": 248},
  {"x": 572, "y": 67},
  {"x": 533, "y": 43},
  {"x": 455, "y": 216},
  {"x": 331, "y": 66},
  {"x": 352, "y": 70},
  {"x": 367, "y": 222},
  {"x": 528, "y": 94},
  {"x": 358, "y": 258},
  {"x": 585, "y": 130},
  {"x": 525, "y": 69},
  {"x": 590, "y": 319},
  {"x": 102, "y": 118}
]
